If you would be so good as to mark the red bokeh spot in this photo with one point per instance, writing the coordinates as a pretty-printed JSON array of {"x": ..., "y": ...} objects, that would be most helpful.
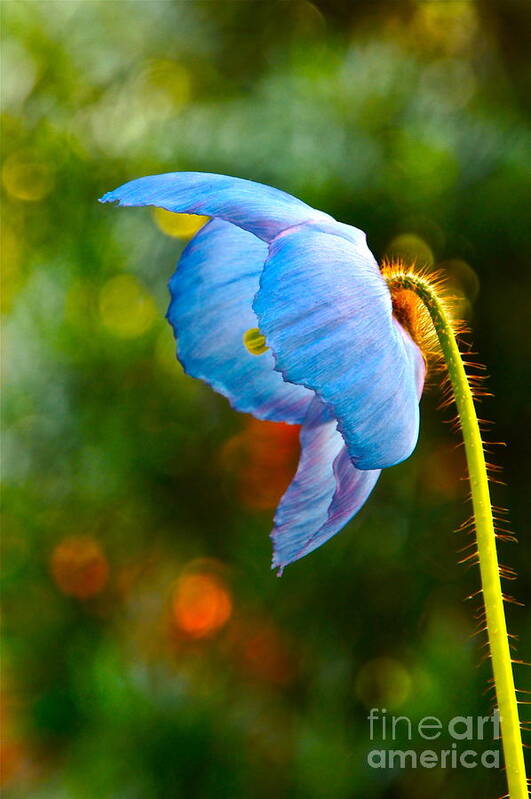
[
  {"x": 263, "y": 653},
  {"x": 79, "y": 567},
  {"x": 11, "y": 760},
  {"x": 264, "y": 456},
  {"x": 201, "y": 604}
]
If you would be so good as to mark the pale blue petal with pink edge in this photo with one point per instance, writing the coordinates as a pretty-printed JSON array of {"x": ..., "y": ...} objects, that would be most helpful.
[
  {"x": 211, "y": 308},
  {"x": 325, "y": 493},
  {"x": 327, "y": 490},
  {"x": 326, "y": 313},
  {"x": 415, "y": 358}
]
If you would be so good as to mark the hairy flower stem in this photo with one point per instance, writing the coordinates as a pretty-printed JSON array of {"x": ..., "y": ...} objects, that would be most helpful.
[{"x": 484, "y": 525}]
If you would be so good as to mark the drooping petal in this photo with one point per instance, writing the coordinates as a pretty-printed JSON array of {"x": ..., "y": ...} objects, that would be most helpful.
[
  {"x": 211, "y": 308},
  {"x": 307, "y": 503},
  {"x": 326, "y": 313},
  {"x": 325, "y": 493},
  {"x": 262, "y": 210}
]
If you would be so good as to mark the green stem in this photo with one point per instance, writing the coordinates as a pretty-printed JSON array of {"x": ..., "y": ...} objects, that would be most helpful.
[{"x": 485, "y": 533}]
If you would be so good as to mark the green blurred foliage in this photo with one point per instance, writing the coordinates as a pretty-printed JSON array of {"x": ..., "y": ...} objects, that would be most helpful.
[{"x": 123, "y": 478}]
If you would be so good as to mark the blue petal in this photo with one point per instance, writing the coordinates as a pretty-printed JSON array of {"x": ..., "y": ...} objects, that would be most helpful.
[
  {"x": 415, "y": 358},
  {"x": 326, "y": 313},
  {"x": 211, "y": 308},
  {"x": 325, "y": 493},
  {"x": 260, "y": 209}
]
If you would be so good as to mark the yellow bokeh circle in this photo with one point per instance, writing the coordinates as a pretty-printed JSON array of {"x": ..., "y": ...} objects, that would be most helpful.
[
  {"x": 164, "y": 77},
  {"x": 26, "y": 179},
  {"x": 126, "y": 308},
  {"x": 181, "y": 226},
  {"x": 383, "y": 682},
  {"x": 411, "y": 249}
]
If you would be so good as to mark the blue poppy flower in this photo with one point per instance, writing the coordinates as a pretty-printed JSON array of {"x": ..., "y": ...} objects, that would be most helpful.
[{"x": 338, "y": 361}]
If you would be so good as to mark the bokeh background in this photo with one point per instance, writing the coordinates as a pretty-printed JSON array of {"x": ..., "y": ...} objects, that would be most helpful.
[{"x": 148, "y": 650}]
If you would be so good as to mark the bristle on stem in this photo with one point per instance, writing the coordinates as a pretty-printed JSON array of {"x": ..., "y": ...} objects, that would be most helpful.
[{"x": 423, "y": 306}]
